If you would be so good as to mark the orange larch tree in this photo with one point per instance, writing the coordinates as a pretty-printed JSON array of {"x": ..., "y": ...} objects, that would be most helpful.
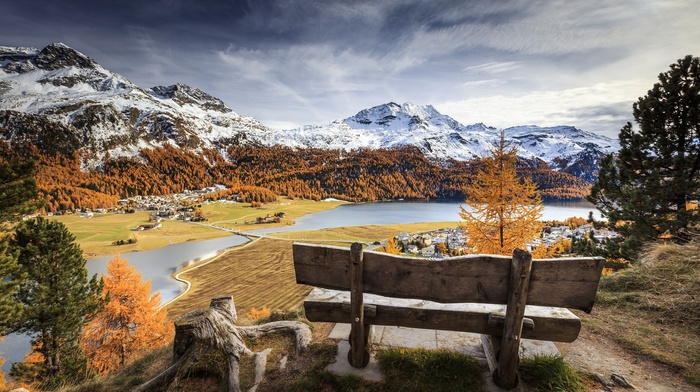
[
  {"x": 505, "y": 210},
  {"x": 391, "y": 247},
  {"x": 130, "y": 322}
]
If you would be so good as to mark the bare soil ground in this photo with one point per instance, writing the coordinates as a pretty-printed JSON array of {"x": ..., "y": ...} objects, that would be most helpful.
[{"x": 592, "y": 353}]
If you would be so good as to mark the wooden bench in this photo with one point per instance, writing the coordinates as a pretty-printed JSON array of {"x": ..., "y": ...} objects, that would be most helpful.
[{"x": 503, "y": 298}]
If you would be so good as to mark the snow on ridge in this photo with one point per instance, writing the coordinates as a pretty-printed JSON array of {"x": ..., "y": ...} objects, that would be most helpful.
[
  {"x": 439, "y": 136},
  {"x": 22, "y": 50}
]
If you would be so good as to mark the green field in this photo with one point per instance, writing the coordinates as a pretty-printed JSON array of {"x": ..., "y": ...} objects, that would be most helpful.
[
  {"x": 96, "y": 235},
  {"x": 234, "y": 215}
]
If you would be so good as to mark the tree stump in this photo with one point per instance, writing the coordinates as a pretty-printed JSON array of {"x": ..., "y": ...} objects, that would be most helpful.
[{"x": 201, "y": 331}]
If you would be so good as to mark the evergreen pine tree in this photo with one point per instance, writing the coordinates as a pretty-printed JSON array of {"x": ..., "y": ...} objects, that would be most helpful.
[
  {"x": 18, "y": 191},
  {"x": 647, "y": 186},
  {"x": 505, "y": 210},
  {"x": 56, "y": 299},
  {"x": 17, "y": 196},
  {"x": 10, "y": 276}
]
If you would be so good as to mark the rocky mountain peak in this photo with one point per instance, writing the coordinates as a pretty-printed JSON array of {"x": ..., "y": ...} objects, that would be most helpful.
[
  {"x": 184, "y": 94},
  {"x": 393, "y": 114},
  {"x": 58, "y": 55}
]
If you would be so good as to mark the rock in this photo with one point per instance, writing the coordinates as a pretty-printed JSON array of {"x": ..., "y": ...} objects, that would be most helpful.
[
  {"x": 607, "y": 384},
  {"x": 621, "y": 381},
  {"x": 283, "y": 363}
]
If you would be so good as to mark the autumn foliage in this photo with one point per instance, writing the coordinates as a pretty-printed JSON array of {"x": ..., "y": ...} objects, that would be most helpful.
[
  {"x": 130, "y": 323},
  {"x": 505, "y": 209},
  {"x": 255, "y": 314},
  {"x": 71, "y": 178},
  {"x": 391, "y": 246}
]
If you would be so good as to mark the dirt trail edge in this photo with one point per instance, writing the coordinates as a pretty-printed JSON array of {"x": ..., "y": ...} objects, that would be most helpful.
[{"x": 597, "y": 354}]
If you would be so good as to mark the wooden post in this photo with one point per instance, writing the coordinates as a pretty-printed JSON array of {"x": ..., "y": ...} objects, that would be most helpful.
[
  {"x": 506, "y": 375},
  {"x": 358, "y": 356}
]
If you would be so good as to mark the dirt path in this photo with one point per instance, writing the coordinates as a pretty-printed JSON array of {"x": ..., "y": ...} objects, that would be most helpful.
[{"x": 595, "y": 354}]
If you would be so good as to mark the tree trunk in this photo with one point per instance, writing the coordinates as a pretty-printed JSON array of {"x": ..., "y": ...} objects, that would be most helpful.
[{"x": 200, "y": 331}]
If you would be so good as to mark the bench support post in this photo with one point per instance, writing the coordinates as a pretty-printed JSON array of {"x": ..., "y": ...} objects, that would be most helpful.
[
  {"x": 506, "y": 375},
  {"x": 358, "y": 356}
]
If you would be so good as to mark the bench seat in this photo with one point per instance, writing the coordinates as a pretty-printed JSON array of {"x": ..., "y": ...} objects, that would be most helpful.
[{"x": 546, "y": 323}]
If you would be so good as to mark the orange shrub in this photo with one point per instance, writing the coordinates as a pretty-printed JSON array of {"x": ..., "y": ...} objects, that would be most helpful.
[{"x": 255, "y": 314}]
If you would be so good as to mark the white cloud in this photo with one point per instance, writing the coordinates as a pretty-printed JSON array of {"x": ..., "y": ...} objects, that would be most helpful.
[
  {"x": 493, "y": 67},
  {"x": 576, "y": 106}
]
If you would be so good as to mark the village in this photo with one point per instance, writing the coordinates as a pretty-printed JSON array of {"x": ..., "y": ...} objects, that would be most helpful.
[
  {"x": 453, "y": 241},
  {"x": 179, "y": 206}
]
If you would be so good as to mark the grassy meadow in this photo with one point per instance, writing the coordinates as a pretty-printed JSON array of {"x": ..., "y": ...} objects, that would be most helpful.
[
  {"x": 96, "y": 235},
  {"x": 664, "y": 288}
]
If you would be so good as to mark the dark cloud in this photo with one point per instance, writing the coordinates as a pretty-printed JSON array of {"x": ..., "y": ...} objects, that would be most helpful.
[
  {"x": 606, "y": 119},
  {"x": 621, "y": 110},
  {"x": 310, "y": 61}
]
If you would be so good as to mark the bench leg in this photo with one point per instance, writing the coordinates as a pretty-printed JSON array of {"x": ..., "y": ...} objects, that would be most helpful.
[
  {"x": 506, "y": 375},
  {"x": 359, "y": 332},
  {"x": 360, "y": 338}
]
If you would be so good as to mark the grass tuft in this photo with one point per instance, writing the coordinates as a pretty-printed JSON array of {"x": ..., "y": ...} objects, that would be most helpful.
[
  {"x": 424, "y": 370},
  {"x": 134, "y": 374},
  {"x": 550, "y": 373}
]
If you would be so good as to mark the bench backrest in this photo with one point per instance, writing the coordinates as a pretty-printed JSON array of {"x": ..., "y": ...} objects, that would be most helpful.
[{"x": 565, "y": 282}]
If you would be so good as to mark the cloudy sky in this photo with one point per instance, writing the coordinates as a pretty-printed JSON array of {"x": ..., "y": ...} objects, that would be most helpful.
[{"x": 290, "y": 63}]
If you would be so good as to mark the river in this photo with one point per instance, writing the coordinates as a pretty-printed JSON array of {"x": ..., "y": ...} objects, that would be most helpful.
[{"x": 158, "y": 265}]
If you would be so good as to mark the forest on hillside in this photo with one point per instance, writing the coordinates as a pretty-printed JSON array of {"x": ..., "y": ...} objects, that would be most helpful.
[{"x": 359, "y": 175}]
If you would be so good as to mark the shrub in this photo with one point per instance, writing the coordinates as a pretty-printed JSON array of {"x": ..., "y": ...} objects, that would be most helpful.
[{"x": 255, "y": 314}]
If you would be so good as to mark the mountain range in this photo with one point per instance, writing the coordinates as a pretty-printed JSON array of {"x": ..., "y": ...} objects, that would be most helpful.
[{"x": 104, "y": 115}]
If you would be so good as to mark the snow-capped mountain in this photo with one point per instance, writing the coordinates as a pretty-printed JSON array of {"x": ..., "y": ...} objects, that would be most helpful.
[
  {"x": 106, "y": 111},
  {"x": 440, "y": 137},
  {"x": 110, "y": 116},
  {"x": 391, "y": 125}
]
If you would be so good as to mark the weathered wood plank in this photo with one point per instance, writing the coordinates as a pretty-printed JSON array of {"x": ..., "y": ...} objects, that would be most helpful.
[
  {"x": 359, "y": 348},
  {"x": 507, "y": 376},
  {"x": 570, "y": 283},
  {"x": 554, "y": 324}
]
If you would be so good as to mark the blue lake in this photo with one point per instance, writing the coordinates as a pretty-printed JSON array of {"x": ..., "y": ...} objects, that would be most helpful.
[{"x": 393, "y": 212}]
